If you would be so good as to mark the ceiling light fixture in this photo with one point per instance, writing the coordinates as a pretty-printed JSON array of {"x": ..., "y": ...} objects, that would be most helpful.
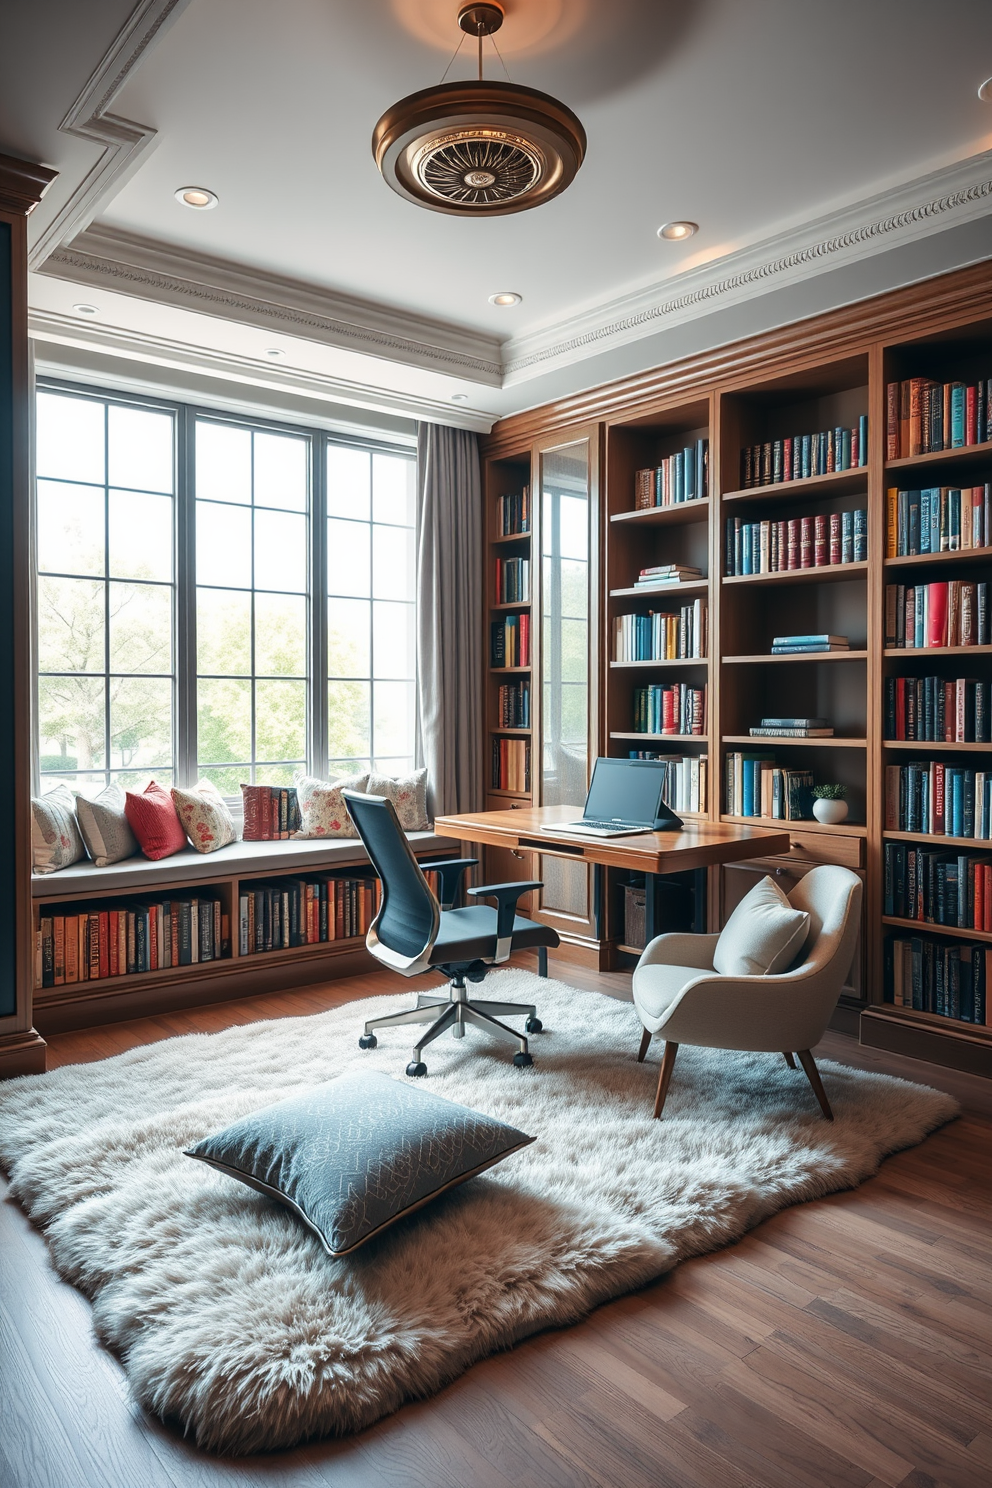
[
  {"x": 197, "y": 197},
  {"x": 86, "y": 309},
  {"x": 985, "y": 91},
  {"x": 478, "y": 148},
  {"x": 505, "y": 299},
  {"x": 274, "y": 352},
  {"x": 459, "y": 397},
  {"x": 676, "y": 232}
]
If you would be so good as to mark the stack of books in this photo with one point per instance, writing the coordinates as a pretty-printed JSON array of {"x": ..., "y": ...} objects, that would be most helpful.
[
  {"x": 940, "y": 800},
  {"x": 756, "y": 786},
  {"x": 509, "y": 641},
  {"x": 792, "y": 728},
  {"x": 803, "y": 542},
  {"x": 938, "y": 887},
  {"x": 799, "y": 645},
  {"x": 271, "y": 812},
  {"x": 949, "y": 613},
  {"x": 285, "y": 913},
  {"x": 922, "y": 416},
  {"x": 671, "y": 709},
  {"x": 931, "y": 976},
  {"x": 511, "y": 765},
  {"x": 804, "y": 455},
  {"x": 938, "y": 710},
  {"x": 666, "y": 573},
  {"x": 513, "y": 581},
  {"x": 939, "y": 519},
  {"x": 661, "y": 635},
  {"x": 89, "y": 942},
  {"x": 682, "y": 477},
  {"x": 513, "y": 705},
  {"x": 685, "y": 779},
  {"x": 513, "y": 514}
]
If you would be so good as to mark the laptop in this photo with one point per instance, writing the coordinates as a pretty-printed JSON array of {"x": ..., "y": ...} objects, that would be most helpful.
[{"x": 624, "y": 798}]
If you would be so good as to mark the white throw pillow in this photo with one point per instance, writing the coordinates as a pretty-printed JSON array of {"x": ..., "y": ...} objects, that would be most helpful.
[
  {"x": 764, "y": 935},
  {"x": 322, "y": 809},
  {"x": 408, "y": 794},
  {"x": 55, "y": 839},
  {"x": 204, "y": 816},
  {"x": 105, "y": 828}
]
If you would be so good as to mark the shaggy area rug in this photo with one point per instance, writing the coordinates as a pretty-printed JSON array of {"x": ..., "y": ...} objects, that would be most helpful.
[{"x": 232, "y": 1321}]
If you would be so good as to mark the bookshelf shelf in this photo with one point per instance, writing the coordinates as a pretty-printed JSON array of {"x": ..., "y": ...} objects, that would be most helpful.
[
  {"x": 966, "y": 454},
  {"x": 509, "y": 795},
  {"x": 836, "y": 829},
  {"x": 959, "y": 555},
  {"x": 834, "y": 483},
  {"x": 966, "y": 844},
  {"x": 663, "y": 591},
  {"x": 515, "y": 733},
  {"x": 676, "y": 661},
  {"x": 835, "y": 573},
  {"x": 521, "y": 671},
  {"x": 516, "y": 604},
  {"x": 941, "y": 746},
  {"x": 511, "y": 537},
  {"x": 948, "y": 1027},
  {"x": 804, "y": 656},
  {"x": 938, "y": 651},
  {"x": 780, "y": 740},
  {"x": 664, "y": 738},
  {"x": 658, "y": 516},
  {"x": 924, "y": 927}
]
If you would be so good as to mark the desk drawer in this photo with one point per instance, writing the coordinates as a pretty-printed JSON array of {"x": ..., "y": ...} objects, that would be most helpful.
[{"x": 825, "y": 847}]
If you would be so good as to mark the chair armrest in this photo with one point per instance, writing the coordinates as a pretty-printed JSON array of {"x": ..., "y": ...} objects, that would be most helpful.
[
  {"x": 789, "y": 1010},
  {"x": 506, "y": 896},
  {"x": 678, "y": 948},
  {"x": 450, "y": 871}
]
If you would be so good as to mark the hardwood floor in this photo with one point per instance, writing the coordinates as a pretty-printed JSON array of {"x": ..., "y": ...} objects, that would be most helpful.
[{"x": 844, "y": 1343}]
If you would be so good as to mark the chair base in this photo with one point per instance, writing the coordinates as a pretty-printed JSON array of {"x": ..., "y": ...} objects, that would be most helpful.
[
  {"x": 668, "y": 1064},
  {"x": 456, "y": 1011}
]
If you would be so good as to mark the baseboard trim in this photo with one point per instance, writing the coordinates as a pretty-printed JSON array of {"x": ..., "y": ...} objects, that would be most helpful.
[
  {"x": 950, "y": 1049},
  {"x": 22, "y": 1054}
]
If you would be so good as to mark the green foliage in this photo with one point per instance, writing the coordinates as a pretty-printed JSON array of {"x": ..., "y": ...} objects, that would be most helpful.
[{"x": 833, "y": 792}]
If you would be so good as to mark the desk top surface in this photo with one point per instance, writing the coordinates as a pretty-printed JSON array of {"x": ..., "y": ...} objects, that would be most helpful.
[{"x": 697, "y": 844}]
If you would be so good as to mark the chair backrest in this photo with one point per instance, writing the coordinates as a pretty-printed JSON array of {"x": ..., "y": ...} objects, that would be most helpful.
[
  {"x": 405, "y": 929},
  {"x": 831, "y": 896}
]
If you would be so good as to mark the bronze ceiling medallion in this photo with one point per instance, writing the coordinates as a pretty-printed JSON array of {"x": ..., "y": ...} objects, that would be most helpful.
[{"x": 478, "y": 148}]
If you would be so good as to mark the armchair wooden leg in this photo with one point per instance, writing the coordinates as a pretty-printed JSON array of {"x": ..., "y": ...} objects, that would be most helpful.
[
  {"x": 645, "y": 1041},
  {"x": 664, "y": 1077},
  {"x": 813, "y": 1075},
  {"x": 790, "y": 1059}
]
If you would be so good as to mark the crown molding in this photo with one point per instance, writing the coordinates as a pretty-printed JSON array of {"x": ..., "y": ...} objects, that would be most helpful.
[
  {"x": 944, "y": 198},
  {"x": 122, "y": 142},
  {"x": 139, "y": 347},
  {"x": 22, "y": 184},
  {"x": 108, "y": 258}
]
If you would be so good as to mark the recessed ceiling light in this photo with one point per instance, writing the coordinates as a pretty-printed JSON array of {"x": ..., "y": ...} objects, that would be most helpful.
[
  {"x": 274, "y": 352},
  {"x": 985, "y": 91},
  {"x": 506, "y": 298},
  {"x": 676, "y": 231},
  {"x": 197, "y": 197},
  {"x": 86, "y": 309},
  {"x": 459, "y": 397}
]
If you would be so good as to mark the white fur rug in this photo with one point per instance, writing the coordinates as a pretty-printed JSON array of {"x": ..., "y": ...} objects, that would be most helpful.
[{"x": 232, "y": 1321}]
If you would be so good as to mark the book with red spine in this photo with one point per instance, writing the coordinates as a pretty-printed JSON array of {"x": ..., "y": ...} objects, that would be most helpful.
[
  {"x": 104, "y": 943},
  {"x": 836, "y": 531},
  {"x": 821, "y": 549},
  {"x": 806, "y": 542},
  {"x": 72, "y": 948},
  {"x": 971, "y": 415},
  {"x": 114, "y": 942},
  {"x": 937, "y": 600},
  {"x": 792, "y": 546},
  {"x": 918, "y": 387},
  {"x": 937, "y": 778}
]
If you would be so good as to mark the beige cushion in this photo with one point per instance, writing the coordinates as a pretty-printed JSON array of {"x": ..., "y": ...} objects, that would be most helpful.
[
  {"x": 408, "y": 794},
  {"x": 764, "y": 935},
  {"x": 204, "y": 815},
  {"x": 106, "y": 830},
  {"x": 322, "y": 808},
  {"x": 656, "y": 987},
  {"x": 55, "y": 839}
]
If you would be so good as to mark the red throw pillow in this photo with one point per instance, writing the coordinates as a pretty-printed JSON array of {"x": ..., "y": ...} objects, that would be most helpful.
[{"x": 154, "y": 821}]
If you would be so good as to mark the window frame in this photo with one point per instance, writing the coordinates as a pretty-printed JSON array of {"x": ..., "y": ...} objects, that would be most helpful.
[{"x": 184, "y": 766}]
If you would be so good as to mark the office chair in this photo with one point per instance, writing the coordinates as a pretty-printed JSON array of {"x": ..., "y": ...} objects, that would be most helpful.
[{"x": 414, "y": 934}]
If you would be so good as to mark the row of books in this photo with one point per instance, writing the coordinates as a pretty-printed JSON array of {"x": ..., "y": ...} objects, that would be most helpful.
[
  {"x": 509, "y": 641},
  {"x": 803, "y": 542},
  {"x": 938, "y": 710},
  {"x": 941, "y": 800},
  {"x": 511, "y": 765},
  {"x": 513, "y": 581},
  {"x": 938, "y": 887},
  {"x": 801, "y": 645},
  {"x": 272, "y": 812},
  {"x": 683, "y": 476},
  {"x": 922, "y": 416},
  {"x": 661, "y": 635},
  {"x": 931, "y": 976},
  {"x": 87, "y": 943},
  {"x": 288, "y": 912},
  {"x": 805, "y": 455},
  {"x": 671, "y": 708},
  {"x": 951, "y": 613},
  {"x": 938, "y": 519},
  {"x": 685, "y": 779},
  {"x": 513, "y": 705},
  {"x": 756, "y": 786},
  {"x": 792, "y": 728},
  {"x": 513, "y": 513},
  {"x": 663, "y": 574}
]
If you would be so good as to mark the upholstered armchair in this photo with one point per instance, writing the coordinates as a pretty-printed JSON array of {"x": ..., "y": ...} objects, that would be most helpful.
[{"x": 680, "y": 995}]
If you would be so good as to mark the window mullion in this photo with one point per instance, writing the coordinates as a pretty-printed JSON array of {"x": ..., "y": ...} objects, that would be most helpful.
[
  {"x": 317, "y": 711},
  {"x": 185, "y": 600}
]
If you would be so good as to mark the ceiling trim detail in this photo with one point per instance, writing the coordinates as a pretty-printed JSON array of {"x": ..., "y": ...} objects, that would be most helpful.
[
  {"x": 957, "y": 194},
  {"x": 122, "y": 141},
  {"x": 140, "y": 347}
]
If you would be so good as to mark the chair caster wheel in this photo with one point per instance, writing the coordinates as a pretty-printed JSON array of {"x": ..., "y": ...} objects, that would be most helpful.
[
  {"x": 522, "y": 1059},
  {"x": 534, "y": 1025},
  {"x": 415, "y": 1068},
  {"x": 368, "y": 1041}
]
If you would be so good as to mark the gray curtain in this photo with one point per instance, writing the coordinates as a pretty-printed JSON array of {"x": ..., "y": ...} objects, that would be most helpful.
[{"x": 450, "y": 634}]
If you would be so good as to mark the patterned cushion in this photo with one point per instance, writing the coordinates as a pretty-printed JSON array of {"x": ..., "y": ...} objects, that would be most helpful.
[
  {"x": 322, "y": 807},
  {"x": 104, "y": 826},
  {"x": 764, "y": 935},
  {"x": 353, "y": 1156},
  {"x": 55, "y": 839},
  {"x": 204, "y": 815},
  {"x": 408, "y": 794},
  {"x": 154, "y": 821}
]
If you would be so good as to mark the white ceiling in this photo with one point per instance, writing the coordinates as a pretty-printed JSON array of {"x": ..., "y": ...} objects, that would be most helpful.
[{"x": 796, "y": 133}]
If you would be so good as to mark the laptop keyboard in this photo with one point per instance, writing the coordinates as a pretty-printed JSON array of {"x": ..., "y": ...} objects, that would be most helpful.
[{"x": 615, "y": 826}]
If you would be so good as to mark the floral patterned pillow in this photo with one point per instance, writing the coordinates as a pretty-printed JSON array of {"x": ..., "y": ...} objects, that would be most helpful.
[
  {"x": 55, "y": 839},
  {"x": 204, "y": 815},
  {"x": 322, "y": 806},
  {"x": 408, "y": 794}
]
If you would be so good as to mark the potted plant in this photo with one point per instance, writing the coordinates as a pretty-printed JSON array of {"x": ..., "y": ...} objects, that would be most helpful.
[{"x": 829, "y": 805}]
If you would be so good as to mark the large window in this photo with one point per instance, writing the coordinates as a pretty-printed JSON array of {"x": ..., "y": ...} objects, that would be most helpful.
[{"x": 178, "y": 553}]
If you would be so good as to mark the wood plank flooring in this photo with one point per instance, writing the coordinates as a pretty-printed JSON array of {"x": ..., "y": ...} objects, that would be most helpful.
[{"x": 845, "y": 1343}]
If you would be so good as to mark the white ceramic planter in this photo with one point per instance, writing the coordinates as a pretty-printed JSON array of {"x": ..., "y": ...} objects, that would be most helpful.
[{"x": 830, "y": 812}]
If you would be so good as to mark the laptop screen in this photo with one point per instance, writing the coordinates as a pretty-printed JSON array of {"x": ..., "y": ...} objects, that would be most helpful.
[{"x": 627, "y": 790}]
